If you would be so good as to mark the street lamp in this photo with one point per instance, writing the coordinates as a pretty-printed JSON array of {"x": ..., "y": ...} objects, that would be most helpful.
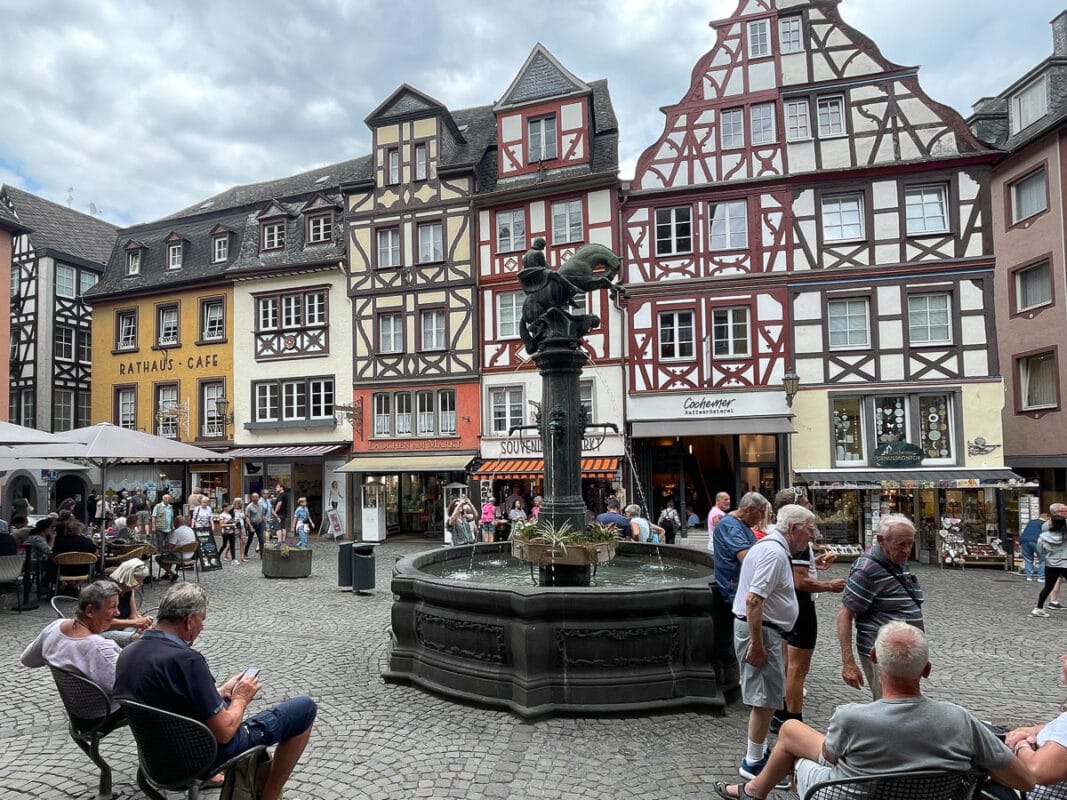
[
  {"x": 791, "y": 384},
  {"x": 222, "y": 412}
]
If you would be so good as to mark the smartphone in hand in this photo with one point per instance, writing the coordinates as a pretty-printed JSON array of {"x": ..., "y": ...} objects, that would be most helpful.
[{"x": 250, "y": 673}]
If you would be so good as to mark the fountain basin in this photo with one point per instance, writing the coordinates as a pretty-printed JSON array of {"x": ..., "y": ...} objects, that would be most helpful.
[{"x": 542, "y": 650}]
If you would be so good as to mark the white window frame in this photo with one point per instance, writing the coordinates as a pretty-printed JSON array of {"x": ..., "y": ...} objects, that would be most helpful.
[
  {"x": 168, "y": 326},
  {"x": 320, "y": 228},
  {"x": 267, "y": 313},
  {"x": 510, "y": 230},
  {"x": 505, "y": 408},
  {"x": 66, "y": 276},
  {"x": 174, "y": 255},
  {"x": 133, "y": 263},
  {"x": 587, "y": 400},
  {"x": 167, "y": 400},
  {"x": 86, "y": 281},
  {"x": 1025, "y": 366},
  {"x": 125, "y": 407},
  {"x": 830, "y": 113},
  {"x": 850, "y": 309},
  {"x": 1029, "y": 104},
  {"x": 392, "y": 166},
  {"x": 388, "y": 240},
  {"x": 421, "y": 162},
  {"x": 391, "y": 333},
  {"x": 676, "y": 323},
  {"x": 541, "y": 138},
  {"x": 273, "y": 236},
  {"x": 673, "y": 227},
  {"x": 295, "y": 400},
  {"x": 320, "y": 398},
  {"x": 383, "y": 417},
  {"x": 731, "y": 334},
  {"x": 220, "y": 248},
  {"x": 797, "y": 120},
  {"x": 509, "y": 314},
  {"x": 210, "y": 394},
  {"x": 921, "y": 330},
  {"x": 446, "y": 412},
  {"x": 859, "y": 435},
  {"x": 404, "y": 419},
  {"x": 728, "y": 223},
  {"x": 761, "y": 124},
  {"x": 292, "y": 311},
  {"x": 732, "y": 128},
  {"x": 567, "y": 221},
  {"x": 1031, "y": 273},
  {"x": 212, "y": 324},
  {"x": 431, "y": 242},
  {"x": 919, "y": 201},
  {"x": 835, "y": 227},
  {"x": 789, "y": 35},
  {"x": 1032, "y": 186},
  {"x": 62, "y": 410},
  {"x": 85, "y": 348},
  {"x": 84, "y": 411},
  {"x": 315, "y": 309},
  {"x": 268, "y": 400},
  {"x": 432, "y": 329},
  {"x": 66, "y": 343},
  {"x": 759, "y": 38},
  {"x": 126, "y": 330},
  {"x": 425, "y": 412}
]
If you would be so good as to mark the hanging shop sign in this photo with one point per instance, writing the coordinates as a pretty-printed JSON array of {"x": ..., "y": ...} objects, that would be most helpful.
[{"x": 898, "y": 454}]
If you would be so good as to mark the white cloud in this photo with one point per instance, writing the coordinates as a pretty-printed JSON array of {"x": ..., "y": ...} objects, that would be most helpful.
[{"x": 145, "y": 108}]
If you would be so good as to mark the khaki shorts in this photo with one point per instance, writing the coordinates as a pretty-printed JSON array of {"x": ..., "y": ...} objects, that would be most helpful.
[
  {"x": 810, "y": 773},
  {"x": 761, "y": 687}
]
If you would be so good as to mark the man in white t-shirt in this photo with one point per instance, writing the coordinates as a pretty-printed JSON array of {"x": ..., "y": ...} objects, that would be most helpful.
[
  {"x": 181, "y": 535},
  {"x": 718, "y": 511}
]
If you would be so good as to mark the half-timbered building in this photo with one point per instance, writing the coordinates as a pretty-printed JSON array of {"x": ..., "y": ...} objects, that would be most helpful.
[
  {"x": 1027, "y": 122},
  {"x": 551, "y": 173},
  {"x": 808, "y": 210}
]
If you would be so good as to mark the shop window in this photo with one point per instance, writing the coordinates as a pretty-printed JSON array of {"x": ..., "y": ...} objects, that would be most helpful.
[
  {"x": 505, "y": 404},
  {"x": 890, "y": 419},
  {"x": 674, "y": 230},
  {"x": 848, "y": 431},
  {"x": 676, "y": 335},
  {"x": 936, "y": 428}
]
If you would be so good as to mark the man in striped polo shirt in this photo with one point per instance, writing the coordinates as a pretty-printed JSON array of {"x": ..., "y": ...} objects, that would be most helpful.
[{"x": 880, "y": 589}]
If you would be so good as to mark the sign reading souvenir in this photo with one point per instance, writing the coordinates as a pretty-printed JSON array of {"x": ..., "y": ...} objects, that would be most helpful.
[
  {"x": 898, "y": 454},
  {"x": 208, "y": 552}
]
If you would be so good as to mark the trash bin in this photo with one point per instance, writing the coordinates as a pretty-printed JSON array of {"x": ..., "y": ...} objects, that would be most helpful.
[
  {"x": 362, "y": 567},
  {"x": 344, "y": 565}
]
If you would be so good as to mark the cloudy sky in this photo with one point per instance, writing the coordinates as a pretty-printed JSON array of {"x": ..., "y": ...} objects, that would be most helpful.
[{"x": 142, "y": 108}]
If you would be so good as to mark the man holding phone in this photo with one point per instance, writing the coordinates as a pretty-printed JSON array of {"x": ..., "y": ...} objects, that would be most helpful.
[{"x": 162, "y": 670}]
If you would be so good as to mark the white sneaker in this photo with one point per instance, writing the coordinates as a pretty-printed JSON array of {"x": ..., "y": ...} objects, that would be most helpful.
[
  {"x": 1039, "y": 612},
  {"x": 236, "y": 563}
]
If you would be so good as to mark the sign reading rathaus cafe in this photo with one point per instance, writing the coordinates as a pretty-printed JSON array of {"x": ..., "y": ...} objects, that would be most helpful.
[{"x": 165, "y": 363}]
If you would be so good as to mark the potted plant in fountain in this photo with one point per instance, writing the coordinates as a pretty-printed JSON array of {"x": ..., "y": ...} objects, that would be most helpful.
[
  {"x": 285, "y": 560},
  {"x": 543, "y": 544}
]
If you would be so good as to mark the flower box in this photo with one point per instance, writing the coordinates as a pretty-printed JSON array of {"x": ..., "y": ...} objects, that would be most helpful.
[
  {"x": 286, "y": 562},
  {"x": 571, "y": 554}
]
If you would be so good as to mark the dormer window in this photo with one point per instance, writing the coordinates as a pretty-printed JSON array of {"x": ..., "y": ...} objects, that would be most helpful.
[
  {"x": 174, "y": 256},
  {"x": 133, "y": 263},
  {"x": 273, "y": 236},
  {"x": 220, "y": 248},
  {"x": 1029, "y": 105},
  {"x": 320, "y": 228},
  {"x": 542, "y": 138}
]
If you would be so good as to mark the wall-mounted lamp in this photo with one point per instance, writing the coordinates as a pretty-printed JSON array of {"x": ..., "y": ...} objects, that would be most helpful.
[
  {"x": 223, "y": 413},
  {"x": 791, "y": 385}
]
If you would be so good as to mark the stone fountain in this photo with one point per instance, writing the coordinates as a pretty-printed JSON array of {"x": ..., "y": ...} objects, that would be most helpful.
[{"x": 565, "y": 642}]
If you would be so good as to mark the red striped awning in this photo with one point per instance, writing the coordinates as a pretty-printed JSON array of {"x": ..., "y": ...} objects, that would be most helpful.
[{"x": 519, "y": 468}]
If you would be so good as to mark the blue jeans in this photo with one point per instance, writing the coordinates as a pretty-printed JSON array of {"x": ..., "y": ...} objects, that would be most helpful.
[
  {"x": 1030, "y": 551},
  {"x": 271, "y": 726}
]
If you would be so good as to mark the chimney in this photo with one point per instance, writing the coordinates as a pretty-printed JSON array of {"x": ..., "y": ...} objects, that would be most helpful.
[{"x": 1059, "y": 35}]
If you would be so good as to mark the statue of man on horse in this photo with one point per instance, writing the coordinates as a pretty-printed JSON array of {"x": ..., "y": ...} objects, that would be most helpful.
[{"x": 550, "y": 293}]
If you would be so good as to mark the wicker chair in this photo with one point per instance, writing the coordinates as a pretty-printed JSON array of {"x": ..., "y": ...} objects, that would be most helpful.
[
  {"x": 11, "y": 568},
  {"x": 916, "y": 785},
  {"x": 89, "y": 715},
  {"x": 173, "y": 752},
  {"x": 77, "y": 559}
]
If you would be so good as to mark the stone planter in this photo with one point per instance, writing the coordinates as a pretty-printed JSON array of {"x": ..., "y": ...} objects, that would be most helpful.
[
  {"x": 291, "y": 563},
  {"x": 573, "y": 555}
]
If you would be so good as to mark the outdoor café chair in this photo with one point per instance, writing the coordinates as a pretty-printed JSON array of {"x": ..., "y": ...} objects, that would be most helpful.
[
  {"x": 112, "y": 562},
  {"x": 89, "y": 715},
  {"x": 64, "y": 606},
  {"x": 11, "y": 568},
  {"x": 173, "y": 752},
  {"x": 914, "y": 785},
  {"x": 184, "y": 563},
  {"x": 77, "y": 559}
]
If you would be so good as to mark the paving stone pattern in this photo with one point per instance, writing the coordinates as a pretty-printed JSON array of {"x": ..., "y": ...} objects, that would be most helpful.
[{"x": 378, "y": 741}]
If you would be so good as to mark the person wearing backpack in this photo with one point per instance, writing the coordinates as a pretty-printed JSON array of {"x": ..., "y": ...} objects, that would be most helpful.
[
  {"x": 669, "y": 521},
  {"x": 138, "y": 513}
]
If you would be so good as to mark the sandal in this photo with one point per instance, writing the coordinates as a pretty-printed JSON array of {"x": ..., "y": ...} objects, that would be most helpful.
[
  {"x": 720, "y": 790},
  {"x": 214, "y": 782}
]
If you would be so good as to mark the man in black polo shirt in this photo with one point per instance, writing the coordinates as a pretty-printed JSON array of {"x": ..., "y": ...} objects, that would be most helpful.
[
  {"x": 162, "y": 670},
  {"x": 614, "y": 518}
]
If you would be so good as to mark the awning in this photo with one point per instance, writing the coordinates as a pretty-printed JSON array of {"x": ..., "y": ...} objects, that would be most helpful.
[
  {"x": 293, "y": 451},
  {"x": 408, "y": 463},
  {"x": 991, "y": 477},
  {"x": 518, "y": 468},
  {"x": 711, "y": 427}
]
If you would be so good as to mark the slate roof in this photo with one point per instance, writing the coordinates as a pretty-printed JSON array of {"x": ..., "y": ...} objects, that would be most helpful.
[
  {"x": 8, "y": 220},
  {"x": 59, "y": 229},
  {"x": 991, "y": 121},
  {"x": 540, "y": 78}
]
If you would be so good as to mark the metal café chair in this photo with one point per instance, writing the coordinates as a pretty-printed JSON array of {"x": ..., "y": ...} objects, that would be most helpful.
[
  {"x": 64, "y": 606},
  {"x": 89, "y": 715},
  {"x": 914, "y": 785},
  {"x": 173, "y": 752}
]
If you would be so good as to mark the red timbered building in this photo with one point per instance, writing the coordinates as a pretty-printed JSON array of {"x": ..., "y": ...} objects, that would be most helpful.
[
  {"x": 808, "y": 210},
  {"x": 553, "y": 174}
]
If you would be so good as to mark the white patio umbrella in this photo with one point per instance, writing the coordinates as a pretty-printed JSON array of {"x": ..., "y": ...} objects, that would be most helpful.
[{"x": 17, "y": 434}]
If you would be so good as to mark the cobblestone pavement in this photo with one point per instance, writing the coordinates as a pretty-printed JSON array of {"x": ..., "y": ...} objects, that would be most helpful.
[{"x": 374, "y": 740}]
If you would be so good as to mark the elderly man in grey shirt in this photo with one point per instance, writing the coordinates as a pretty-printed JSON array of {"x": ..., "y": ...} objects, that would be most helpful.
[{"x": 765, "y": 609}]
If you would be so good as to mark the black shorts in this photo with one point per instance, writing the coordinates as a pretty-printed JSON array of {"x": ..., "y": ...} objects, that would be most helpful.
[{"x": 806, "y": 631}]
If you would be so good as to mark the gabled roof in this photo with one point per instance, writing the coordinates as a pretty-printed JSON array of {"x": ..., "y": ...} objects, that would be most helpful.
[
  {"x": 540, "y": 78},
  {"x": 8, "y": 220},
  {"x": 991, "y": 118},
  {"x": 407, "y": 102},
  {"x": 60, "y": 229},
  {"x": 273, "y": 209},
  {"x": 319, "y": 202}
]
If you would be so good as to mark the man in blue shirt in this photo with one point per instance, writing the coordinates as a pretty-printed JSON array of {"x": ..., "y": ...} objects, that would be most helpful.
[
  {"x": 613, "y": 517},
  {"x": 1028, "y": 547},
  {"x": 161, "y": 669}
]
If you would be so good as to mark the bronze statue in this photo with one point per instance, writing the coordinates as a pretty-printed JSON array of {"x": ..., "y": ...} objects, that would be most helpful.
[{"x": 550, "y": 293}]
